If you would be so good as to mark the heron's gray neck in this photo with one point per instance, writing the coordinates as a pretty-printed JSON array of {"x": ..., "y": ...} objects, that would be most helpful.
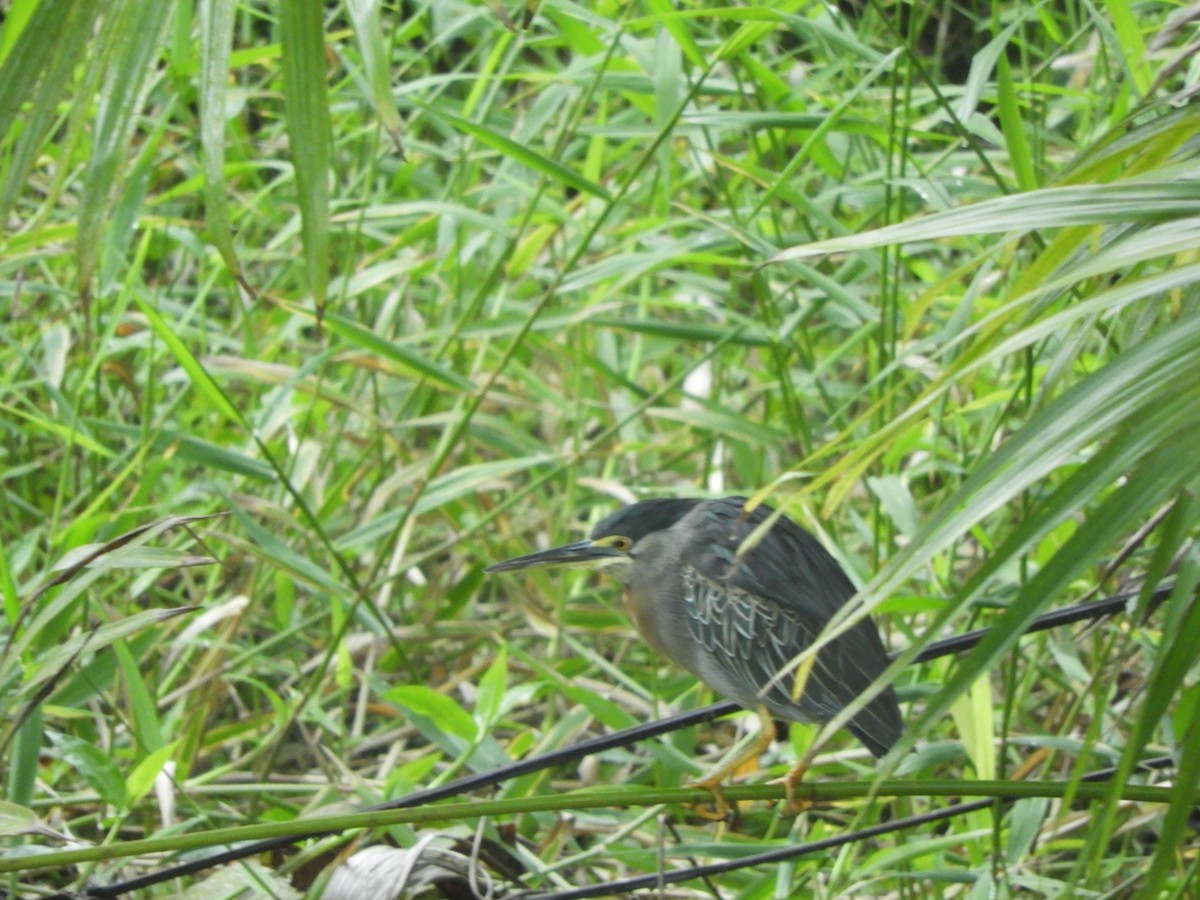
[{"x": 655, "y": 594}]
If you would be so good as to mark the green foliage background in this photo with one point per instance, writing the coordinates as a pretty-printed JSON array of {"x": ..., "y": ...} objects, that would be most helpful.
[{"x": 406, "y": 288}]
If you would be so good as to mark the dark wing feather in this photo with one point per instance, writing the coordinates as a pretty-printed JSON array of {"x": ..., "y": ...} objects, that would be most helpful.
[{"x": 760, "y": 611}]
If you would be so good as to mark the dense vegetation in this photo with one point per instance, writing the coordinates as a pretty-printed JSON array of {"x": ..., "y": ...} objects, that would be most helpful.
[{"x": 382, "y": 292}]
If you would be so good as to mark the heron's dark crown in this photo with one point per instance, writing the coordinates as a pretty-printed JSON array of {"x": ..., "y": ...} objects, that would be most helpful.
[{"x": 637, "y": 520}]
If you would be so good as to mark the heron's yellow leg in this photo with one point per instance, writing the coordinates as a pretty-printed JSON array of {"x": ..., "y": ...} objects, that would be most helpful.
[
  {"x": 791, "y": 781},
  {"x": 713, "y": 780}
]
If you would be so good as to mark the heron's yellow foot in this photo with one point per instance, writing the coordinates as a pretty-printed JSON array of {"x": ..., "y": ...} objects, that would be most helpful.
[
  {"x": 794, "y": 804},
  {"x": 729, "y": 767},
  {"x": 720, "y": 806}
]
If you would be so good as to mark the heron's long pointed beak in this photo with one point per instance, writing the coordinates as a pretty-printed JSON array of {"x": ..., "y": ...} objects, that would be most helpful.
[{"x": 582, "y": 553}]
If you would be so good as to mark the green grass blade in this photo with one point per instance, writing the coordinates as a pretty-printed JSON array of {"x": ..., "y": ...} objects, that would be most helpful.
[
  {"x": 197, "y": 374},
  {"x": 368, "y": 30},
  {"x": 36, "y": 73},
  {"x": 306, "y": 103},
  {"x": 1100, "y": 204},
  {"x": 132, "y": 33},
  {"x": 216, "y": 39},
  {"x": 526, "y": 156}
]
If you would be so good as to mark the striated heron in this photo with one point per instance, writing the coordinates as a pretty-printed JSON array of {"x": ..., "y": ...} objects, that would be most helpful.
[{"x": 738, "y": 622}]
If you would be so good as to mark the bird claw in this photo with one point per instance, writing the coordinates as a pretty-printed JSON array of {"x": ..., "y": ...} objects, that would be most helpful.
[
  {"x": 794, "y": 805},
  {"x": 720, "y": 806},
  {"x": 728, "y": 768}
]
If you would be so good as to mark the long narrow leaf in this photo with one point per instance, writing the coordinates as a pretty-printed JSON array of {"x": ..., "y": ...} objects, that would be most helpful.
[
  {"x": 1102, "y": 204},
  {"x": 133, "y": 31},
  {"x": 302, "y": 36},
  {"x": 216, "y": 40},
  {"x": 528, "y": 157}
]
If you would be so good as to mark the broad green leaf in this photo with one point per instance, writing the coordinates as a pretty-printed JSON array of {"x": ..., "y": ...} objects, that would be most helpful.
[
  {"x": 492, "y": 687},
  {"x": 94, "y": 765},
  {"x": 146, "y": 728},
  {"x": 15, "y": 820},
  {"x": 141, "y": 779},
  {"x": 442, "y": 710}
]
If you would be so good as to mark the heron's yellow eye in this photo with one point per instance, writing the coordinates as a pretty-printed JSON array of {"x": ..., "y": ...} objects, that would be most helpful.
[{"x": 622, "y": 543}]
